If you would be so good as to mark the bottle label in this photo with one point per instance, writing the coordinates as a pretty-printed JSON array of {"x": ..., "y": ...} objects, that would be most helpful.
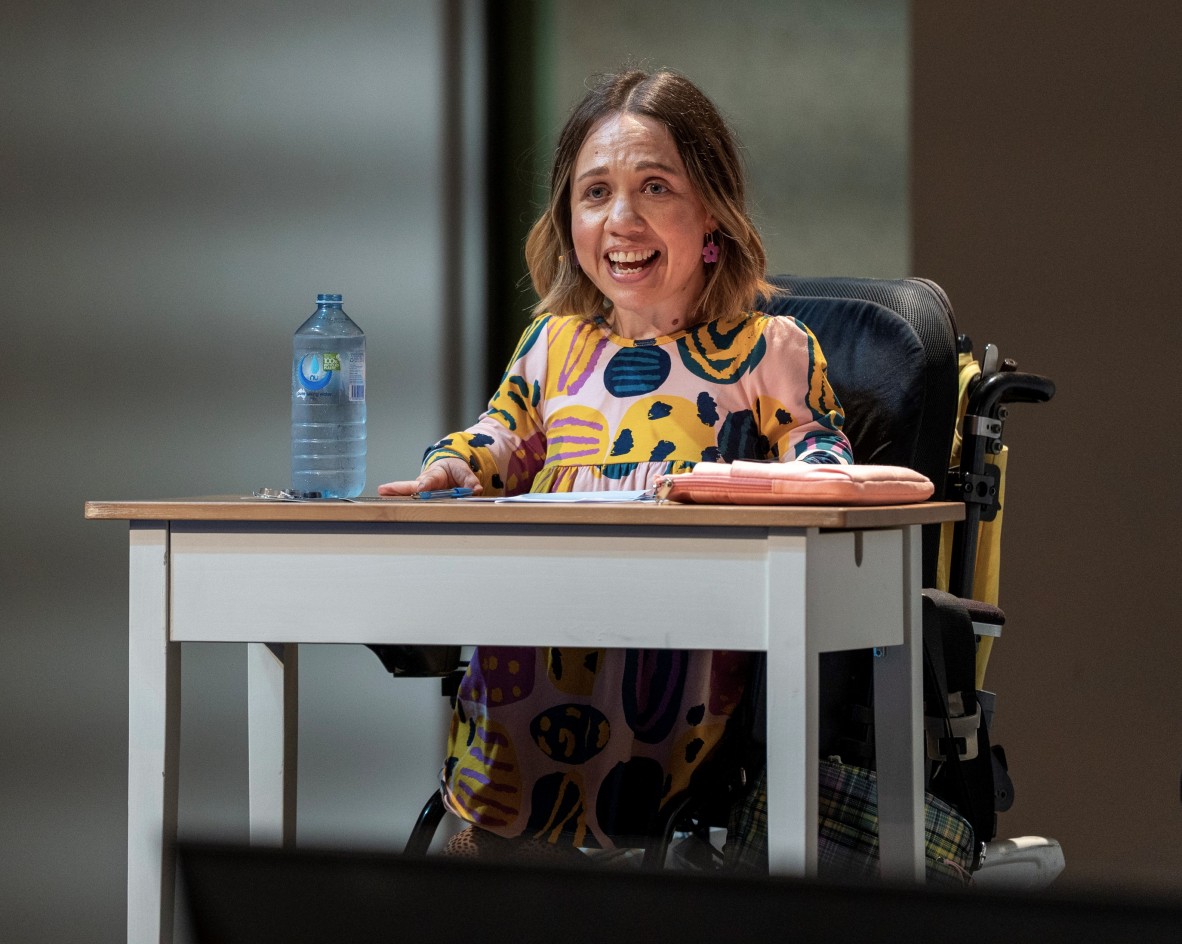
[
  {"x": 355, "y": 376},
  {"x": 326, "y": 376}
]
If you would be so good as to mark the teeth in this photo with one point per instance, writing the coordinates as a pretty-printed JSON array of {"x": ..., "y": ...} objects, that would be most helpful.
[{"x": 634, "y": 256}]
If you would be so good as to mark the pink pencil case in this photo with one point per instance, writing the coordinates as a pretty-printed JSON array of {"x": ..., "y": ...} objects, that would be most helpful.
[{"x": 794, "y": 483}]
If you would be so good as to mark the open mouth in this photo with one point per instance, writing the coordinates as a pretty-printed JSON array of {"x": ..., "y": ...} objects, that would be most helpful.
[{"x": 623, "y": 263}]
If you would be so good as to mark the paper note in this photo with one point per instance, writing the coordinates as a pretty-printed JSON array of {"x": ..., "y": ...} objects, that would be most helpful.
[{"x": 617, "y": 496}]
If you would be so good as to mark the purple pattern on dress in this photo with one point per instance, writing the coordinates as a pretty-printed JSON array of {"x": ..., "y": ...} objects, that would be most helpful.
[
  {"x": 504, "y": 674},
  {"x": 486, "y": 801},
  {"x": 473, "y": 774},
  {"x": 572, "y": 440},
  {"x": 654, "y": 680},
  {"x": 478, "y": 754},
  {"x": 570, "y": 363}
]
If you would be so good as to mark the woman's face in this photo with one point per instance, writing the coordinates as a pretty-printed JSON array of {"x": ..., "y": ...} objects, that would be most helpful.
[{"x": 637, "y": 224}]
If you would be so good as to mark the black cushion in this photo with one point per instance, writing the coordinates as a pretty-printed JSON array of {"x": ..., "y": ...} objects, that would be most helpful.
[
  {"x": 924, "y": 307},
  {"x": 876, "y": 367}
]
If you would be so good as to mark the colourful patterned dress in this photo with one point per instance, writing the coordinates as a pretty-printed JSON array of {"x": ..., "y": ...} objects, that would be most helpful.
[{"x": 582, "y": 746}]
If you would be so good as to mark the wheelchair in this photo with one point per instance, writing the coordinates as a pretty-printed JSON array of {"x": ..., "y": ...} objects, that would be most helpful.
[{"x": 914, "y": 394}]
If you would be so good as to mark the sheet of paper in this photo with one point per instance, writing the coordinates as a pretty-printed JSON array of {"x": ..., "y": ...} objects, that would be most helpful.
[{"x": 642, "y": 495}]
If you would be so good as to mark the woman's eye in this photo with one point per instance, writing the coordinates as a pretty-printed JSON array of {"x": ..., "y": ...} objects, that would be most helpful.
[
  {"x": 655, "y": 186},
  {"x": 597, "y": 192}
]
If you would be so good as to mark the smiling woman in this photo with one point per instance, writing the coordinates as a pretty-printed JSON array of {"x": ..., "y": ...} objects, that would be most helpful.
[
  {"x": 644, "y": 358},
  {"x": 638, "y": 226},
  {"x": 669, "y": 139}
]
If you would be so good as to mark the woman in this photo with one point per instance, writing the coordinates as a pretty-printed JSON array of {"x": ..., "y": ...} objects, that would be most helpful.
[{"x": 644, "y": 357}]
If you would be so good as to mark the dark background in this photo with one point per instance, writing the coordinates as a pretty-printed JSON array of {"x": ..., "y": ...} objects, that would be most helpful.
[{"x": 1046, "y": 200}]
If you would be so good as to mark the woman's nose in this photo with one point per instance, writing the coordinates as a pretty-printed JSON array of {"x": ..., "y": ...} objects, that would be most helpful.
[{"x": 624, "y": 214}]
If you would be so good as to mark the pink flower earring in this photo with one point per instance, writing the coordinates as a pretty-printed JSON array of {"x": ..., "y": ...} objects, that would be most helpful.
[
  {"x": 710, "y": 250},
  {"x": 571, "y": 258}
]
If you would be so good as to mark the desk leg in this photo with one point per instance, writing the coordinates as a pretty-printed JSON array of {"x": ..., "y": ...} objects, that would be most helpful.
[
  {"x": 154, "y": 710},
  {"x": 792, "y": 714},
  {"x": 898, "y": 719},
  {"x": 272, "y": 681}
]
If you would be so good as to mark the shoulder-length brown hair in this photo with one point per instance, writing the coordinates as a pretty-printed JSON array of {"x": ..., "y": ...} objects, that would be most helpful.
[{"x": 711, "y": 157}]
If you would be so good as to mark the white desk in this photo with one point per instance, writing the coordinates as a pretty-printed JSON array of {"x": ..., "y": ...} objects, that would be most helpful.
[{"x": 793, "y": 581}]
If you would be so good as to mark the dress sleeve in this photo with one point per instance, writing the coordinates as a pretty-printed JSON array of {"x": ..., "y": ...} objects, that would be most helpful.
[
  {"x": 799, "y": 413},
  {"x": 506, "y": 446}
]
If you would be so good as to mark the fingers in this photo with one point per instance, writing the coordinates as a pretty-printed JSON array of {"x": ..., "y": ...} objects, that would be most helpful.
[
  {"x": 398, "y": 488},
  {"x": 447, "y": 473},
  {"x": 458, "y": 473}
]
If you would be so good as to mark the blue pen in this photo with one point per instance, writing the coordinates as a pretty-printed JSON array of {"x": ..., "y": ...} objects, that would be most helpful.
[{"x": 445, "y": 493}]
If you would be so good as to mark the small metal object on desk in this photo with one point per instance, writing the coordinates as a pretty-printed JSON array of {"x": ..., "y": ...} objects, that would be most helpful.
[{"x": 284, "y": 494}]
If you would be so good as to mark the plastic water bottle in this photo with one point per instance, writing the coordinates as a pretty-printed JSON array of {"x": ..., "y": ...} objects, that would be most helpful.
[{"x": 328, "y": 403}]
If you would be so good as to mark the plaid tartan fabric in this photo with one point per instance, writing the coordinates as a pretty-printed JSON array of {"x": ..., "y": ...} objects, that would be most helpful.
[{"x": 847, "y": 841}]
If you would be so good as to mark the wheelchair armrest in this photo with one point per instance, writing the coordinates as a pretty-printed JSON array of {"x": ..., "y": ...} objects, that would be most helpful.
[{"x": 987, "y": 618}]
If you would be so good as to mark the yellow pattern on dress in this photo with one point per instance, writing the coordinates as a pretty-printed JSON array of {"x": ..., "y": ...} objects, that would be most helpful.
[
  {"x": 574, "y": 671},
  {"x": 672, "y": 420},
  {"x": 578, "y": 345},
  {"x": 721, "y": 364},
  {"x": 578, "y": 435},
  {"x": 487, "y": 777}
]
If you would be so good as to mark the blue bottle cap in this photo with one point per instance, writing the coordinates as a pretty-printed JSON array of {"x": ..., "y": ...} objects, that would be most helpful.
[{"x": 327, "y": 298}]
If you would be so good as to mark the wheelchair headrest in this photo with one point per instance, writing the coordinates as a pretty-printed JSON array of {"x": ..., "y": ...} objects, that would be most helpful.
[{"x": 876, "y": 365}]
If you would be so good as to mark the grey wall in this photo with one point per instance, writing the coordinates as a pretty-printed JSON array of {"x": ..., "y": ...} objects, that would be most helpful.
[
  {"x": 177, "y": 181},
  {"x": 817, "y": 92},
  {"x": 1046, "y": 199}
]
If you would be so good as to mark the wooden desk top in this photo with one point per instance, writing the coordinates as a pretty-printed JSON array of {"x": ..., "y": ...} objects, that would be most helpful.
[{"x": 461, "y": 511}]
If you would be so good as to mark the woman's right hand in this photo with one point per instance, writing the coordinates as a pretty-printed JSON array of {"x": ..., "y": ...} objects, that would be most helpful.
[{"x": 446, "y": 473}]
